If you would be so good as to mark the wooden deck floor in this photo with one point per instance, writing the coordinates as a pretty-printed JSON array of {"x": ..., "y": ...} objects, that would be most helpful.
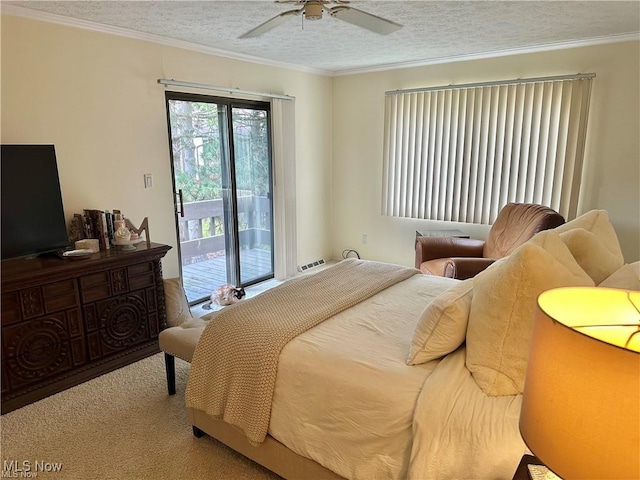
[{"x": 202, "y": 278}]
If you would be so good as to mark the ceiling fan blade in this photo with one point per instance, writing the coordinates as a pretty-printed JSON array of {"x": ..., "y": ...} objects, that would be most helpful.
[
  {"x": 270, "y": 24},
  {"x": 365, "y": 20}
]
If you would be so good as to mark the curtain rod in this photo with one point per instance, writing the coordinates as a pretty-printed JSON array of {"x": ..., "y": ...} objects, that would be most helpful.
[
  {"x": 577, "y": 76},
  {"x": 204, "y": 86}
]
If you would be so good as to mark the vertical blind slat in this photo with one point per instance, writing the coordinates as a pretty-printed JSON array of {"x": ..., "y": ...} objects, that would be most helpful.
[
  {"x": 433, "y": 111},
  {"x": 475, "y": 149},
  {"x": 444, "y": 153},
  {"x": 534, "y": 143},
  {"x": 458, "y": 173},
  {"x": 453, "y": 139},
  {"x": 508, "y": 144},
  {"x": 466, "y": 170},
  {"x": 518, "y": 117},
  {"x": 389, "y": 127},
  {"x": 424, "y": 154},
  {"x": 460, "y": 154},
  {"x": 482, "y": 155},
  {"x": 490, "y": 180},
  {"x": 543, "y": 142},
  {"x": 417, "y": 155},
  {"x": 404, "y": 144},
  {"x": 552, "y": 144},
  {"x": 561, "y": 147},
  {"x": 411, "y": 159},
  {"x": 498, "y": 177}
]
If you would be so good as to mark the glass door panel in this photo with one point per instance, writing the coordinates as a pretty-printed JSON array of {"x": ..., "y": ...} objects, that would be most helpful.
[
  {"x": 251, "y": 136},
  {"x": 222, "y": 180},
  {"x": 199, "y": 150}
]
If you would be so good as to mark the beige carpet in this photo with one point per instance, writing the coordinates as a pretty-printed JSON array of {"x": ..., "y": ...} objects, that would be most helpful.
[{"x": 122, "y": 425}]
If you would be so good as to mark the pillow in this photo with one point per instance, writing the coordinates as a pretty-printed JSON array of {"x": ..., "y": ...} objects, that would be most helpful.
[
  {"x": 592, "y": 254},
  {"x": 502, "y": 309},
  {"x": 443, "y": 324},
  {"x": 626, "y": 277},
  {"x": 176, "y": 301},
  {"x": 596, "y": 222},
  {"x": 553, "y": 243}
]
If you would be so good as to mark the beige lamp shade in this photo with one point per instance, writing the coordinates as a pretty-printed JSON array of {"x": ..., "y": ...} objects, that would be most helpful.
[{"x": 581, "y": 403}]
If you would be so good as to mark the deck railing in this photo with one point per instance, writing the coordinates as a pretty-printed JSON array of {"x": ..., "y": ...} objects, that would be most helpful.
[{"x": 199, "y": 240}]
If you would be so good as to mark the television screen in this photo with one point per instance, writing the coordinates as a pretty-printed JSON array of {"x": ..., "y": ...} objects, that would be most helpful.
[{"x": 32, "y": 213}]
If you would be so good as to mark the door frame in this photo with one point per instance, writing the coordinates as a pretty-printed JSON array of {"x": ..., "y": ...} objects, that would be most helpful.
[{"x": 232, "y": 247}]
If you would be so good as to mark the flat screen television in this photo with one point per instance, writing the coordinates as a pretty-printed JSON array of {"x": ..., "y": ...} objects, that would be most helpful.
[{"x": 32, "y": 212}]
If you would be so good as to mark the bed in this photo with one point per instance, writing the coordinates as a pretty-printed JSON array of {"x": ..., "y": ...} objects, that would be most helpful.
[
  {"x": 344, "y": 395},
  {"x": 421, "y": 379}
]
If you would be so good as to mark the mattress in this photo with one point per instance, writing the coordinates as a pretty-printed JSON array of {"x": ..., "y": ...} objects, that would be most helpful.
[{"x": 345, "y": 396}]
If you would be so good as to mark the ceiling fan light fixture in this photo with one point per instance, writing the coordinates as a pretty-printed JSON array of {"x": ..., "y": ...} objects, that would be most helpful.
[{"x": 313, "y": 10}]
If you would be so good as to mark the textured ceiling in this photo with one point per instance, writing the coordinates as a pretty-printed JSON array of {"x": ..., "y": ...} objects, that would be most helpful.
[{"x": 432, "y": 31}]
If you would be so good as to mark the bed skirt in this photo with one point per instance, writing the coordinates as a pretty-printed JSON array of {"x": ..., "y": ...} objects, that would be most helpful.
[{"x": 271, "y": 454}]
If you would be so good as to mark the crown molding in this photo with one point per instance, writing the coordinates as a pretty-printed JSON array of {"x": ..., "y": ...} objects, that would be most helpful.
[
  {"x": 498, "y": 53},
  {"x": 149, "y": 37}
]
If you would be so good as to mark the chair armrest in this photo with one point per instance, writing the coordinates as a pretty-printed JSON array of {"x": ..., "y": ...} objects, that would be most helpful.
[
  {"x": 429, "y": 248},
  {"x": 462, "y": 268}
]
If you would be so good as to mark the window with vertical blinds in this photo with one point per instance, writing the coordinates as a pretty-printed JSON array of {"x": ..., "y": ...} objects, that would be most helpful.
[{"x": 460, "y": 153}]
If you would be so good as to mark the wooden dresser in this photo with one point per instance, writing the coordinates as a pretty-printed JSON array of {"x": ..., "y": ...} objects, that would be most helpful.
[{"x": 66, "y": 321}]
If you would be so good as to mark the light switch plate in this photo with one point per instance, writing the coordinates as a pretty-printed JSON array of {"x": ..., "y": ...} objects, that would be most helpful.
[{"x": 148, "y": 180}]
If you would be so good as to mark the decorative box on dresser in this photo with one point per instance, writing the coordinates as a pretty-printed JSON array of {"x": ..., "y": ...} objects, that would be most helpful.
[{"x": 66, "y": 321}]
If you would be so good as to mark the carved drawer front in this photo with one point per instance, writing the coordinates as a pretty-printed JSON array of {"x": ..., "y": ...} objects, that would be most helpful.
[
  {"x": 117, "y": 324},
  {"x": 11, "y": 307},
  {"x": 37, "y": 301},
  {"x": 141, "y": 275},
  {"x": 42, "y": 348},
  {"x": 60, "y": 295},
  {"x": 95, "y": 286}
]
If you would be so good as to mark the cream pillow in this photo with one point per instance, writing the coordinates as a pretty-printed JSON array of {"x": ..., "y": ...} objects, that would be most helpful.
[
  {"x": 592, "y": 254},
  {"x": 443, "y": 324},
  {"x": 553, "y": 243},
  {"x": 626, "y": 277},
  {"x": 596, "y": 222},
  {"x": 502, "y": 309},
  {"x": 176, "y": 302}
]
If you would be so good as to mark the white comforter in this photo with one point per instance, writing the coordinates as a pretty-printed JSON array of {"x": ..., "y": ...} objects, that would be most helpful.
[
  {"x": 345, "y": 398},
  {"x": 344, "y": 395},
  {"x": 459, "y": 432}
]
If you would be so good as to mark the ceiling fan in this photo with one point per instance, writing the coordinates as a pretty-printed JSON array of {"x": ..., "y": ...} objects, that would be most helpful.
[{"x": 312, "y": 10}]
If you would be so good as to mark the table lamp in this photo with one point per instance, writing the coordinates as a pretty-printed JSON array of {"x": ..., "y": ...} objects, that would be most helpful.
[{"x": 581, "y": 402}]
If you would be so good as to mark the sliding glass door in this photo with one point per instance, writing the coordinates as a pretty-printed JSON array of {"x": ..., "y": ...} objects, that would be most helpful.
[{"x": 221, "y": 163}]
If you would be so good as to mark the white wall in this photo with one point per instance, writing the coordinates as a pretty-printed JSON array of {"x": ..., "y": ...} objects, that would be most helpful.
[
  {"x": 95, "y": 97},
  {"x": 612, "y": 159}
]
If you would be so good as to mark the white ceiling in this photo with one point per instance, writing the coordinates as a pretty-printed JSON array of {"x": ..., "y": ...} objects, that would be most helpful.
[{"x": 433, "y": 31}]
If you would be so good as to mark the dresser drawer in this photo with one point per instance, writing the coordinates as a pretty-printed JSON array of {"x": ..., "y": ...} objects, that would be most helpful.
[
  {"x": 40, "y": 348},
  {"x": 34, "y": 302},
  {"x": 119, "y": 323}
]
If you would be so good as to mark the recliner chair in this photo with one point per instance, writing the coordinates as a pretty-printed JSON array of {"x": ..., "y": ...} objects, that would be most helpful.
[{"x": 464, "y": 258}]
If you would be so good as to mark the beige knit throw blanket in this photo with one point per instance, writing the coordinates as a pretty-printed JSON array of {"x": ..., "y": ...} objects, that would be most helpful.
[{"x": 234, "y": 366}]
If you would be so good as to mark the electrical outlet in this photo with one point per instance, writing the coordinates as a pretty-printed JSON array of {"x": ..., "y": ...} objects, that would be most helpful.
[
  {"x": 365, "y": 237},
  {"x": 148, "y": 180}
]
